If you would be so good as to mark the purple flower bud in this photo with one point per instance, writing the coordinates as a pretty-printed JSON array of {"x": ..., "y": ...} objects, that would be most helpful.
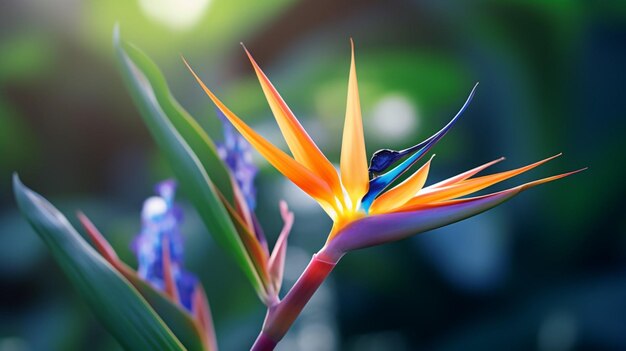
[
  {"x": 161, "y": 219},
  {"x": 237, "y": 154}
]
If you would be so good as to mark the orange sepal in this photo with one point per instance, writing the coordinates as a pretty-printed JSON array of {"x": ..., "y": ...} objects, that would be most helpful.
[
  {"x": 306, "y": 180},
  {"x": 302, "y": 147},
  {"x": 469, "y": 186},
  {"x": 403, "y": 192}
]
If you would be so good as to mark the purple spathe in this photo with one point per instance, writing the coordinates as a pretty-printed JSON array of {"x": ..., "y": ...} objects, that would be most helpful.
[{"x": 388, "y": 227}]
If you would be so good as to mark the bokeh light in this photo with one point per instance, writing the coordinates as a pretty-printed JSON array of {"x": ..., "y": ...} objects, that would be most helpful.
[{"x": 177, "y": 14}]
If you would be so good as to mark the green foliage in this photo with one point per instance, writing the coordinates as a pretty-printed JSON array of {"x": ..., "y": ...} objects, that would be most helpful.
[
  {"x": 114, "y": 301},
  {"x": 25, "y": 57},
  {"x": 189, "y": 151},
  {"x": 179, "y": 321}
]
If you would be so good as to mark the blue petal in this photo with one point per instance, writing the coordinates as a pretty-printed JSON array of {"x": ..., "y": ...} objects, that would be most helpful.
[
  {"x": 383, "y": 159},
  {"x": 161, "y": 218},
  {"x": 186, "y": 284},
  {"x": 386, "y": 157},
  {"x": 237, "y": 154}
]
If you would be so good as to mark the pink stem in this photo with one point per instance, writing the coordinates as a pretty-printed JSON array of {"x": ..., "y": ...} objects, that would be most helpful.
[
  {"x": 263, "y": 343},
  {"x": 281, "y": 316}
]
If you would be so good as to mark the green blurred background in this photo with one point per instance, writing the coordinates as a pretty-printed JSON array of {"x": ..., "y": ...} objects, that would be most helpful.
[{"x": 545, "y": 271}]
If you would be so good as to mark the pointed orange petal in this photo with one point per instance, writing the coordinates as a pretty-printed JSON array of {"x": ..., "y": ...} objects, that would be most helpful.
[
  {"x": 105, "y": 249},
  {"x": 168, "y": 276},
  {"x": 102, "y": 245},
  {"x": 464, "y": 175},
  {"x": 469, "y": 186},
  {"x": 549, "y": 179},
  {"x": 506, "y": 193},
  {"x": 403, "y": 192},
  {"x": 202, "y": 313},
  {"x": 353, "y": 164},
  {"x": 306, "y": 180},
  {"x": 302, "y": 147},
  {"x": 241, "y": 205},
  {"x": 388, "y": 227}
]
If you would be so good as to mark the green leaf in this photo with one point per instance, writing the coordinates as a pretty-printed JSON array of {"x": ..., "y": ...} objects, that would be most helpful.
[
  {"x": 181, "y": 322},
  {"x": 188, "y": 128},
  {"x": 114, "y": 301},
  {"x": 157, "y": 107}
]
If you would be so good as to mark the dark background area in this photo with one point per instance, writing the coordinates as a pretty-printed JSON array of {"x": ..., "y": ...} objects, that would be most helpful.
[{"x": 545, "y": 271}]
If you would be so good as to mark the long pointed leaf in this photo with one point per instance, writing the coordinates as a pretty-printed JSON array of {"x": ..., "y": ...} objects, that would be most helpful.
[
  {"x": 113, "y": 300},
  {"x": 188, "y": 128},
  {"x": 146, "y": 83},
  {"x": 186, "y": 329}
]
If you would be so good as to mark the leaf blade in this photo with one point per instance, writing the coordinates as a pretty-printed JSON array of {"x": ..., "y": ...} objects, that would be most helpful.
[
  {"x": 118, "y": 305},
  {"x": 139, "y": 74},
  {"x": 182, "y": 324}
]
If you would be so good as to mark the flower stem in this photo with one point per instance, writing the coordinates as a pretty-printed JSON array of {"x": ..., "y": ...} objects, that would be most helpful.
[
  {"x": 263, "y": 343},
  {"x": 281, "y": 316}
]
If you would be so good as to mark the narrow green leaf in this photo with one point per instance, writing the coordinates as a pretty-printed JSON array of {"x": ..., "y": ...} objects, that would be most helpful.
[
  {"x": 114, "y": 301},
  {"x": 179, "y": 320},
  {"x": 188, "y": 128},
  {"x": 147, "y": 85},
  {"x": 182, "y": 323}
]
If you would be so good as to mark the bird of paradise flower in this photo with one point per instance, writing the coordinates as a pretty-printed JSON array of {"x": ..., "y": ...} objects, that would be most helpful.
[
  {"x": 351, "y": 197},
  {"x": 161, "y": 306},
  {"x": 366, "y": 210}
]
